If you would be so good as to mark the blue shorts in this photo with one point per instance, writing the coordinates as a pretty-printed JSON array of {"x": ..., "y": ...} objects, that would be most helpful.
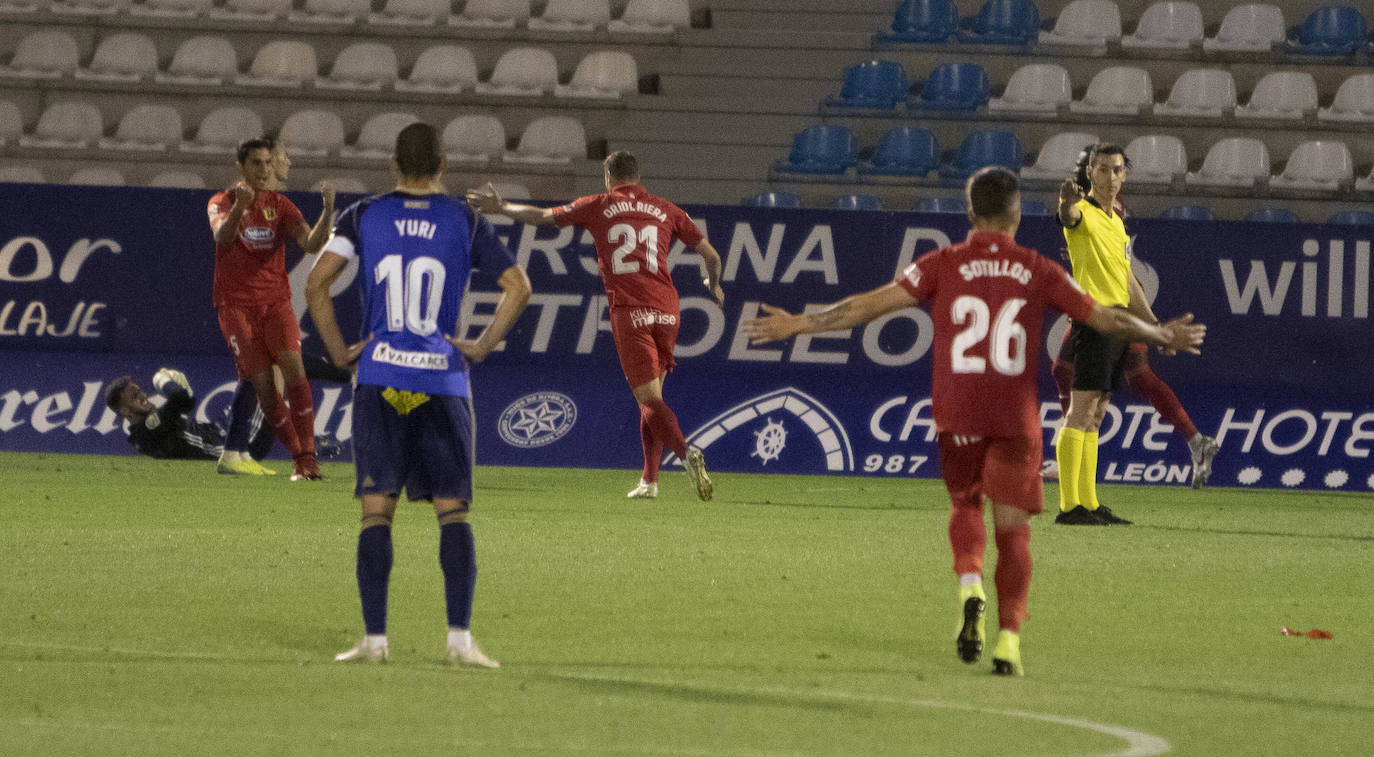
[{"x": 420, "y": 441}]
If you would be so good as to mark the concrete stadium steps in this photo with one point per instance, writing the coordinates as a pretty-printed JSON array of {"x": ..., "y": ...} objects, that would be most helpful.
[{"x": 836, "y": 15}]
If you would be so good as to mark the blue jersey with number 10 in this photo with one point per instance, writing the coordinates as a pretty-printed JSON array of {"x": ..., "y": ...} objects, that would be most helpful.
[{"x": 415, "y": 255}]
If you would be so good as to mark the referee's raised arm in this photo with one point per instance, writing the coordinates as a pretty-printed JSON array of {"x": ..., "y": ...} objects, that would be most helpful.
[{"x": 1069, "y": 195}]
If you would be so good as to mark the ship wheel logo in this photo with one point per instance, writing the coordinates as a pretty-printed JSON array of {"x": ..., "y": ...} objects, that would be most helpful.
[{"x": 769, "y": 442}]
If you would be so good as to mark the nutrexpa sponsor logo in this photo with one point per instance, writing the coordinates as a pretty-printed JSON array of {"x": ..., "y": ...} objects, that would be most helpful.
[{"x": 537, "y": 419}]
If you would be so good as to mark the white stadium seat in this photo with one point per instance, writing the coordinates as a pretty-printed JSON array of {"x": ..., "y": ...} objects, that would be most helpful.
[
  {"x": 441, "y": 68},
  {"x": 605, "y": 74},
  {"x": 65, "y": 125},
  {"x": 1201, "y": 93},
  {"x": 171, "y": 8},
  {"x": 202, "y": 60},
  {"x": 1282, "y": 94},
  {"x": 178, "y": 180},
  {"x": 573, "y": 16},
  {"x": 1237, "y": 162},
  {"x": 512, "y": 190},
  {"x": 362, "y": 65},
  {"x": 652, "y": 17},
  {"x": 1317, "y": 166},
  {"x": 1087, "y": 24},
  {"x": 281, "y": 63},
  {"x": 97, "y": 177},
  {"x": 522, "y": 71},
  {"x": 43, "y": 54},
  {"x": 1117, "y": 90},
  {"x": 127, "y": 57},
  {"x": 1035, "y": 88},
  {"x": 492, "y": 14},
  {"x": 377, "y": 137},
  {"x": 1058, "y": 157},
  {"x": 21, "y": 175},
  {"x": 313, "y": 133},
  {"x": 223, "y": 129},
  {"x": 1157, "y": 159},
  {"x": 474, "y": 138},
  {"x": 146, "y": 127},
  {"x": 1255, "y": 28},
  {"x": 1354, "y": 101},
  {"x": 350, "y": 185},
  {"x": 1166, "y": 26},
  {"x": 331, "y": 11},
  {"x": 251, "y": 10},
  {"x": 411, "y": 13},
  {"x": 550, "y": 139}
]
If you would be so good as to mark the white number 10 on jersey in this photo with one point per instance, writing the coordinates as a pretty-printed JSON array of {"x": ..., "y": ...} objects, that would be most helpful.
[{"x": 413, "y": 295}]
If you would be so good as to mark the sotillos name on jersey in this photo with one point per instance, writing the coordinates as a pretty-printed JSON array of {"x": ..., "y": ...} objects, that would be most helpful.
[
  {"x": 638, "y": 206},
  {"x": 976, "y": 268},
  {"x": 428, "y": 361}
]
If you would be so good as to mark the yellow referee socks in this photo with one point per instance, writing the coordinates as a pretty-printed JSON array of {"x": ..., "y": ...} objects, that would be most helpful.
[
  {"x": 1069, "y": 454},
  {"x": 1087, "y": 473}
]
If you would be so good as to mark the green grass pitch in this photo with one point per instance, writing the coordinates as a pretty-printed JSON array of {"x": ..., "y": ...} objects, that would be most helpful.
[{"x": 152, "y": 607}]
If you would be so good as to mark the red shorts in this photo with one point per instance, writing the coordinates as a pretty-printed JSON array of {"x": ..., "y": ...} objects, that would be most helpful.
[
  {"x": 1006, "y": 470},
  {"x": 258, "y": 333},
  {"x": 644, "y": 339}
]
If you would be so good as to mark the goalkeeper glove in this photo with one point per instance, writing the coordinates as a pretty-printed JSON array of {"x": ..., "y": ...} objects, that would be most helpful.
[{"x": 165, "y": 376}]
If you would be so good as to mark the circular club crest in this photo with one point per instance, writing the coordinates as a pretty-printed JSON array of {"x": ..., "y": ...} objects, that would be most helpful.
[{"x": 537, "y": 419}]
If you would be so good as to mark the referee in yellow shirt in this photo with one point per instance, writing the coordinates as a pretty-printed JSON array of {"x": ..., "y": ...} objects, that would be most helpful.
[{"x": 1100, "y": 252}]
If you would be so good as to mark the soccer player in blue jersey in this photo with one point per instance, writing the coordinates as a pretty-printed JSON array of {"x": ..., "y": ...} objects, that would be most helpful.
[{"x": 412, "y": 418}]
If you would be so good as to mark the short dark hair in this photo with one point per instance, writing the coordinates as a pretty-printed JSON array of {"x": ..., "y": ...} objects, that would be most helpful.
[
  {"x": 418, "y": 152},
  {"x": 256, "y": 143},
  {"x": 622, "y": 166},
  {"x": 992, "y": 191},
  {"x": 114, "y": 391},
  {"x": 1089, "y": 156}
]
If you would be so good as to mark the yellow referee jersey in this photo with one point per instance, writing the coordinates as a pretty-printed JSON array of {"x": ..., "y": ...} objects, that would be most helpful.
[{"x": 1101, "y": 255}]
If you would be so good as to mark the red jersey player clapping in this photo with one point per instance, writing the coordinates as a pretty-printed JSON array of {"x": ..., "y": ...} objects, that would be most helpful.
[{"x": 633, "y": 231}]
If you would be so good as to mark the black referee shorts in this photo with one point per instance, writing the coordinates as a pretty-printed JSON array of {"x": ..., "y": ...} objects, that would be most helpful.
[{"x": 1099, "y": 360}]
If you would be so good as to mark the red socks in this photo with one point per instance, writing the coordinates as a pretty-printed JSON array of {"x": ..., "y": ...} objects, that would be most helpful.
[
  {"x": 1013, "y": 575},
  {"x": 303, "y": 415},
  {"x": 968, "y": 537},
  {"x": 278, "y": 417},
  {"x": 653, "y": 448},
  {"x": 663, "y": 424},
  {"x": 1153, "y": 388}
]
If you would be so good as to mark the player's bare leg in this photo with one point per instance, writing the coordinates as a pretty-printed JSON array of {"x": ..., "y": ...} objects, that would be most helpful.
[
  {"x": 664, "y": 425},
  {"x": 307, "y": 467},
  {"x": 374, "y": 575}
]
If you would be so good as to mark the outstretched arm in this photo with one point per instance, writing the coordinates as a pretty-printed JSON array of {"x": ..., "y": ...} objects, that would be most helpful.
[
  {"x": 515, "y": 294},
  {"x": 488, "y": 200},
  {"x": 851, "y": 311},
  {"x": 1180, "y": 334}
]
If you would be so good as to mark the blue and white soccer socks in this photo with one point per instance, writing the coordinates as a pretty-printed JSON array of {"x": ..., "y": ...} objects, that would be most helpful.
[
  {"x": 241, "y": 412},
  {"x": 458, "y": 559},
  {"x": 374, "y": 573}
]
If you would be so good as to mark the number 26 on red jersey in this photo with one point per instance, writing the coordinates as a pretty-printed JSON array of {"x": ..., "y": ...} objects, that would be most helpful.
[{"x": 1007, "y": 348}]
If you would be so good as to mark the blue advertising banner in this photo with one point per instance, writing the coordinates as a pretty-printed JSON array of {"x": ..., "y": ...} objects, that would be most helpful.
[{"x": 118, "y": 282}]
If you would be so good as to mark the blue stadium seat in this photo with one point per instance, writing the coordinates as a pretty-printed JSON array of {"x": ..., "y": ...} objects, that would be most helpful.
[
  {"x": 821, "y": 149},
  {"x": 1352, "y": 218},
  {"x": 922, "y": 21},
  {"x": 1329, "y": 30},
  {"x": 991, "y": 147},
  {"x": 954, "y": 86},
  {"x": 773, "y": 200},
  {"x": 903, "y": 151},
  {"x": 1035, "y": 208},
  {"x": 1189, "y": 213},
  {"x": 872, "y": 84},
  {"x": 1272, "y": 215},
  {"x": 1002, "y": 22},
  {"x": 857, "y": 202},
  {"x": 941, "y": 205}
]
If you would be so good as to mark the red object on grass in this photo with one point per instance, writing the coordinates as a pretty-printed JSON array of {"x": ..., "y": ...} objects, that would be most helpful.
[{"x": 1315, "y": 633}]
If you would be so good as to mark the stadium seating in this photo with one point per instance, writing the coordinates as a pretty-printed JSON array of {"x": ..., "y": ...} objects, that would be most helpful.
[
  {"x": 821, "y": 149},
  {"x": 250, "y": 10},
  {"x": 608, "y": 74},
  {"x": 857, "y": 202},
  {"x": 1354, "y": 101},
  {"x": 313, "y": 133},
  {"x": 652, "y": 17},
  {"x": 492, "y": 14},
  {"x": 1002, "y": 22},
  {"x": 474, "y": 138},
  {"x": 201, "y": 60},
  {"x": 1316, "y": 166},
  {"x": 1351, "y": 218},
  {"x": 126, "y": 57},
  {"x": 1058, "y": 157},
  {"x": 1282, "y": 94},
  {"x": 953, "y": 86},
  {"x": 878, "y": 84},
  {"x": 922, "y": 21},
  {"x": 377, "y": 137},
  {"x": 362, "y": 65},
  {"x": 89, "y": 7},
  {"x": 1329, "y": 30},
  {"x": 441, "y": 68},
  {"x": 21, "y": 175},
  {"x": 43, "y": 54},
  {"x": 11, "y": 122},
  {"x": 146, "y": 127},
  {"x": 97, "y": 177},
  {"x": 1157, "y": 159},
  {"x": 903, "y": 151},
  {"x": 330, "y": 11},
  {"x": 222, "y": 129},
  {"x": 411, "y": 13},
  {"x": 1188, "y": 213},
  {"x": 572, "y": 16},
  {"x": 773, "y": 200},
  {"x": 550, "y": 140},
  {"x": 1035, "y": 88},
  {"x": 66, "y": 125},
  {"x": 1085, "y": 24},
  {"x": 1236, "y": 162},
  {"x": 171, "y": 8},
  {"x": 178, "y": 180},
  {"x": 15, "y": 7},
  {"x": 522, "y": 71},
  {"x": 1167, "y": 26},
  {"x": 1117, "y": 90},
  {"x": 281, "y": 63},
  {"x": 1202, "y": 93},
  {"x": 1253, "y": 28},
  {"x": 991, "y": 147},
  {"x": 1272, "y": 215},
  {"x": 350, "y": 185},
  {"x": 942, "y": 205}
]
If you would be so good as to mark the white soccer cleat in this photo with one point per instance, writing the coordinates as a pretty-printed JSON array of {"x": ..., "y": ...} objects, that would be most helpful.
[
  {"x": 1202, "y": 448},
  {"x": 696, "y": 469},
  {"x": 472, "y": 657},
  {"x": 645, "y": 490},
  {"x": 364, "y": 651}
]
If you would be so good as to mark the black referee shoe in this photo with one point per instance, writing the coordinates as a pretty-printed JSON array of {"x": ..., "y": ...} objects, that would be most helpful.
[
  {"x": 1080, "y": 516},
  {"x": 1110, "y": 518}
]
